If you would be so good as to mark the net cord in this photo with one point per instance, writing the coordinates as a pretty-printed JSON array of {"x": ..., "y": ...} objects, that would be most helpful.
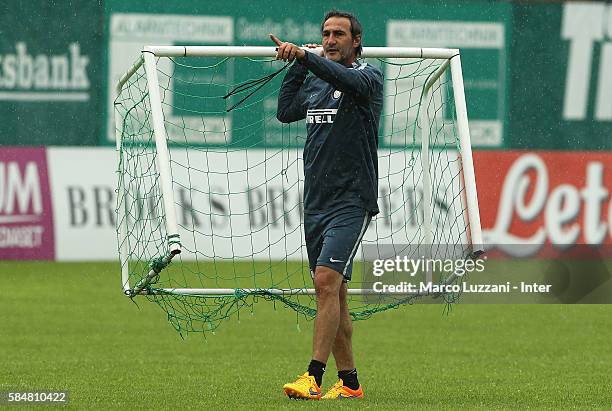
[{"x": 186, "y": 306}]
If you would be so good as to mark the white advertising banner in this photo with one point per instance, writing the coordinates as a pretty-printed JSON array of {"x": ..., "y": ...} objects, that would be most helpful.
[
  {"x": 247, "y": 204},
  {"x": 235, "y": 204},
  {"x": 83, "y": 183}
]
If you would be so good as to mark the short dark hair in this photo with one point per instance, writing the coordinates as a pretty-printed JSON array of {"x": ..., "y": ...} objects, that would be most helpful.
[{"x": 355, "y": 25}]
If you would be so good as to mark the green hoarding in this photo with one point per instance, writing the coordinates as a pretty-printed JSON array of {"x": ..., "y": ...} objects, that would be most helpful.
[
  {"x": 562, "y": 77},
  {"x": 536, "y": 75},
  {"x": 50, "y": 72},
  {"x": 482, "y": 33}
]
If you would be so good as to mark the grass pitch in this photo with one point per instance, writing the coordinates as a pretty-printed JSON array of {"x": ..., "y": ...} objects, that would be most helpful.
[{"x": 68, "y": 327}]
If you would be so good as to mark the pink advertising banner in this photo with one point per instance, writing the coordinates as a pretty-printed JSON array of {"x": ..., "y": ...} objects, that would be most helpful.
[{"x": 26, "y": 214}]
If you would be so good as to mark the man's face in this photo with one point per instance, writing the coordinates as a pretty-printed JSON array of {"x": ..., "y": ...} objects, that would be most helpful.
[{"x": 338, "y": 43}]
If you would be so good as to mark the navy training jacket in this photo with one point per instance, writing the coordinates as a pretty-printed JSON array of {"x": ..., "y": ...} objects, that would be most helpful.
[{"x": 342, "y": 107}]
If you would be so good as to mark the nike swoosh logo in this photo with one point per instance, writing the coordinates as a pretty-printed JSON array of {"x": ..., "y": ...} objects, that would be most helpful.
[
  {"x": 312, "y": 392},
  {"x": 332, "y": 260},
  {"x": 346, "y": 396}
]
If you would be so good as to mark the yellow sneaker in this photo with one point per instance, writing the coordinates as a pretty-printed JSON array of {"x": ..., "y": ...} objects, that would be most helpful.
[
  {"x": 339, "y": 390},
  {"x": 305, "y": 388}
]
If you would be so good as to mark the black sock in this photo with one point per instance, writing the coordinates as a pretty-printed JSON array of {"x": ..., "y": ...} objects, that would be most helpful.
[
  {"x": 316, "y": 369},
  {"x": 349, "y": 378}
]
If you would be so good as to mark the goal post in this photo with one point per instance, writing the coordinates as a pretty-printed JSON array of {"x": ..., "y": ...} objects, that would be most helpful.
[{"x": 238, "y": 177}]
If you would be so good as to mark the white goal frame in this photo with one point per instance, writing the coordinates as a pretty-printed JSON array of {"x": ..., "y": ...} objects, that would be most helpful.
[{"x": 451, "y": 58}]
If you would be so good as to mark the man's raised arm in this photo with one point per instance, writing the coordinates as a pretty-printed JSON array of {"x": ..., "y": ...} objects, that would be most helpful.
[
  {"x": 290, "y": 102},
  {"x": 362, "y": 82}
]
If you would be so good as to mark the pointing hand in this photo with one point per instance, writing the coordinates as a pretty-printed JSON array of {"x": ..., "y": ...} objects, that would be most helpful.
[{"x": 287, "y": 51}]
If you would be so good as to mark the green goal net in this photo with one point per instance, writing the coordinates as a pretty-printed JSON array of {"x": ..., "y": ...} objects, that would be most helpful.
[{"x": 210, "y": 200}]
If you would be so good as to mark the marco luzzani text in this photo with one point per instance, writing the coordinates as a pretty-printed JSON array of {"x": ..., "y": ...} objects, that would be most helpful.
[{"x": 409, "y": 267}]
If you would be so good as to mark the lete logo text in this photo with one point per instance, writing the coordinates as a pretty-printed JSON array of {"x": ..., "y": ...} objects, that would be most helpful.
[{"x": 538, "y": 198}]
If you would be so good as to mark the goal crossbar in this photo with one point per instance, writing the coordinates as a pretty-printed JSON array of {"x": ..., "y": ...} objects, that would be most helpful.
[{"x": 263, "y": 51}]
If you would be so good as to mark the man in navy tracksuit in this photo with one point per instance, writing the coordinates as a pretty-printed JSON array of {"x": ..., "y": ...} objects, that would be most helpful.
[{"x": 341, "y": 101}]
